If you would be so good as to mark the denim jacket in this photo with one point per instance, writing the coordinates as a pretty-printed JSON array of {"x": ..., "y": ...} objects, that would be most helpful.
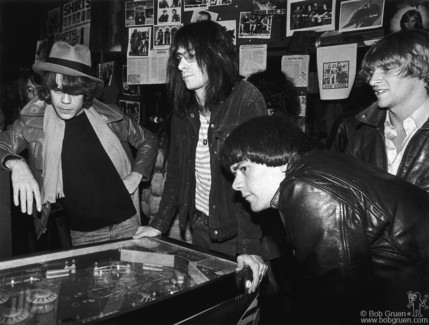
[
  {"x": 228, "y": 214},
  {"x": 27, "y": 133}
]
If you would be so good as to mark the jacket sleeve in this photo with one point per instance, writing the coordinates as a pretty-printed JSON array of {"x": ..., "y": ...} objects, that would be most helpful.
[
  {"x": 146, "y": 144},
  {"x": 331, "y": 246},
  {"x": 169, "y": 199},
  {"x": 12, "y": 142}
]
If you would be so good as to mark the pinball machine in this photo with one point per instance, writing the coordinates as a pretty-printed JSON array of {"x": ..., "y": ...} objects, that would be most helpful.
[{"x": 144, "y": 281}]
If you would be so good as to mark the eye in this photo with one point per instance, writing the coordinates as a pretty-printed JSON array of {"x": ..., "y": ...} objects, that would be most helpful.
[{"x": 243, "y": 169}]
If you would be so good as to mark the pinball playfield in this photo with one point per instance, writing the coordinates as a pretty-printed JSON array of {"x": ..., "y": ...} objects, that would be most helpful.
[{"x": 145, "y": 280}]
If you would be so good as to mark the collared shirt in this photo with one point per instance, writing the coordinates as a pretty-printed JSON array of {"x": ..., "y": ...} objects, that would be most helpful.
[{"x": 411, "y": 124}]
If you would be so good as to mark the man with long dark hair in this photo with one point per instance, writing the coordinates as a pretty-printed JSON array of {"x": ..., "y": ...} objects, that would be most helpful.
[
  {"x": 209, "y": 101},
  {"x": 78, "y": 152}
]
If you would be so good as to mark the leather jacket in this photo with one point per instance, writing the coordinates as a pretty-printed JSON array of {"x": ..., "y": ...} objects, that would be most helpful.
[
  {"x": 360, "y": 236},
  {"x": 229, "y": 216},
  {"x": 27, "y": 133},
  {"x": 363, "y": 137}
]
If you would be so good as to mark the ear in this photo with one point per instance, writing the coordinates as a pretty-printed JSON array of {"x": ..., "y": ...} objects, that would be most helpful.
[{"x": 283, "y": 168}]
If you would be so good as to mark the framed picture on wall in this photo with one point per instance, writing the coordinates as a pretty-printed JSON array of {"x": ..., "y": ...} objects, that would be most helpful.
[
  {"x": 360, "y": 15},
  {"x": 401, "y": 15},
  {"x": 303, "y": 15}
]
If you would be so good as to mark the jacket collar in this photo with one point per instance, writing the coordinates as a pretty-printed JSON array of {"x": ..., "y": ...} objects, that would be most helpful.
[
  {"x": 110, "y": 113},
  {"x": 373, "y": 116}
]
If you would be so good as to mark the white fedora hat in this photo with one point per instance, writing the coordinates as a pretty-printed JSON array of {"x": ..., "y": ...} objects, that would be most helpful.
[{"x": 68, "y": 60}]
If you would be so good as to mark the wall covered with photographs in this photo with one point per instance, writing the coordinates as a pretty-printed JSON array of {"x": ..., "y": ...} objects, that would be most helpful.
[{"x": 130, "y": 41}]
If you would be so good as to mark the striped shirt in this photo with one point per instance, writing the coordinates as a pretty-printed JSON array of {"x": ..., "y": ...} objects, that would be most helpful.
[{"x": 203, "y": 175}]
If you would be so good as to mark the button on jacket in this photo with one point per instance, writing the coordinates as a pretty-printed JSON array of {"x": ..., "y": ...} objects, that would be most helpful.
[
  {"x": 363, "y": 137},
  {"x": 360, "y": 236},
  {"x": 228, "y": 215},
  {"x": 27, "y": 132}
]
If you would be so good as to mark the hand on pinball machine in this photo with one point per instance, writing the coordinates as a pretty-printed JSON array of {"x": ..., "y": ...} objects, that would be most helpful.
[
  {"x": 146, "y": 231},
  {"x": 25, "y": 187},
  {"x": 258, "y": 267},
  {"x": 132, "y": 182}
]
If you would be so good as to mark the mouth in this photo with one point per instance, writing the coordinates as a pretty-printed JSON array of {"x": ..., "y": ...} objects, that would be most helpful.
[{"x": 379, "y": 92}]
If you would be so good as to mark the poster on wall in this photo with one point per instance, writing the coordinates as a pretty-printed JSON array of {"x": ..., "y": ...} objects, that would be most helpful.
[
  {"x": 131, "y": 109},
  {"x": 401, "y": 15},
  {"x": 361, "y": 15},
  {"x": 138, "y": 13},
  {"x": 189, "y": 5},
  {"x": 203, "y": 14},
  {"x": 163, "y": 34},
  {"x": 273, "y": 7},
  {"x": 255, "y": 25},
  {"x": 76, "y": 22},
  {"x": 231, "y": 28},
  {"x": 304, "y": 15},
  {"x": 130, "y": 90},
  {"x": 139, "y": 39},
  {"x": 41, "y": 50},
  {"x": 105, "y": 72}
]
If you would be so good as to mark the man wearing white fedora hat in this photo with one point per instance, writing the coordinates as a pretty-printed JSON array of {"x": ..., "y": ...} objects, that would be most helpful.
[{"x": 79, "y": 152}]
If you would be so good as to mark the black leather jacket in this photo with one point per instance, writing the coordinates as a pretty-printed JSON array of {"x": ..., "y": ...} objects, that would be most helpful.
[
  {"x": 228, "y": 215},
  {"x": 360, "y": 236},
  {"x": 362, "y": 136}
]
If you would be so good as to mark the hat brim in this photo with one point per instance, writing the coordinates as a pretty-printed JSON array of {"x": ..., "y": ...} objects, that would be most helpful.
[{"x": 40, "y": 67}]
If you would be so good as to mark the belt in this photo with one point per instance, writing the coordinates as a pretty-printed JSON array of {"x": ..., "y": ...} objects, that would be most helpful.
[{"x": 200, "y": 217}]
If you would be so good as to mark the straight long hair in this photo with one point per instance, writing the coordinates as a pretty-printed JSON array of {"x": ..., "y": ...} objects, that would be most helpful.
[{"x": 215, "y": 55}]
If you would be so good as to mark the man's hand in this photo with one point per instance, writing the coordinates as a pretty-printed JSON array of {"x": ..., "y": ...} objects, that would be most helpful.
[
  {"x": 258, "y": 267},
  {"x": 146, "y": 231},
  {"x": 132, "y": 182},
  {"x": 25, "y": 187}
]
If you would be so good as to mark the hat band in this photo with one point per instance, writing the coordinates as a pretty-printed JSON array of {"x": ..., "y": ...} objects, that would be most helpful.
[{"x": 72, "y": 65}]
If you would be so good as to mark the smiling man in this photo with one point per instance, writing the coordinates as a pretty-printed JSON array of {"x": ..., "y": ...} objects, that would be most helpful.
[
  {"x": 78, "y": 152},
  {"x": 359, "y": 234},
  {"x": 393, "y": 133}
]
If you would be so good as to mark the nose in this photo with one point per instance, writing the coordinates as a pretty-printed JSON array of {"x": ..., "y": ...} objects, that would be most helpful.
[
  {"x": 182, "y": 63},
  {"x": 65, "y": 98},
  {"x": 376, "y": 77},
  {"x": 237, "y": 184}
]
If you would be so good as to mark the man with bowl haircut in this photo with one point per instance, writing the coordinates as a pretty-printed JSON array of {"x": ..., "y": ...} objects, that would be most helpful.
[
  {"x": 393, "y": 133},
  {"x": 360, "y": 235},
  {"x": 78, "y": 152}
]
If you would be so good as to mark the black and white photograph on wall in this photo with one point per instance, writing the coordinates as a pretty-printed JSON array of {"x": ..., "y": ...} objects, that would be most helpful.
[
  {"x": 41, "y": 50},
  {"x": 401, "y": 15},
  {"x": 54, "y": 21},
  {"x": 130, "y": 90},
  {"x": 168, "y": 16},
  {"x": 255, "y": 25},
  {"x": 162, "y": 36},
  {"x": 203, "y": 14},
  {"x": 194, "y": 4},
  {"x": 273, "y": 7},
  {"x": 303, "y": 15},
  {"x": 219, "y": 2},
  {"x": 138, "y": 13},
  {"x": 335, "y": 74},
  {"x": 139, "y": 39},
  {"x": 169, "y": 4},
  {"x": 361, "y": 15},
  {"x": 105, "y": 72},
  {"x": 231, "y": 28},
  {"x": 131, "y": 109}
]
